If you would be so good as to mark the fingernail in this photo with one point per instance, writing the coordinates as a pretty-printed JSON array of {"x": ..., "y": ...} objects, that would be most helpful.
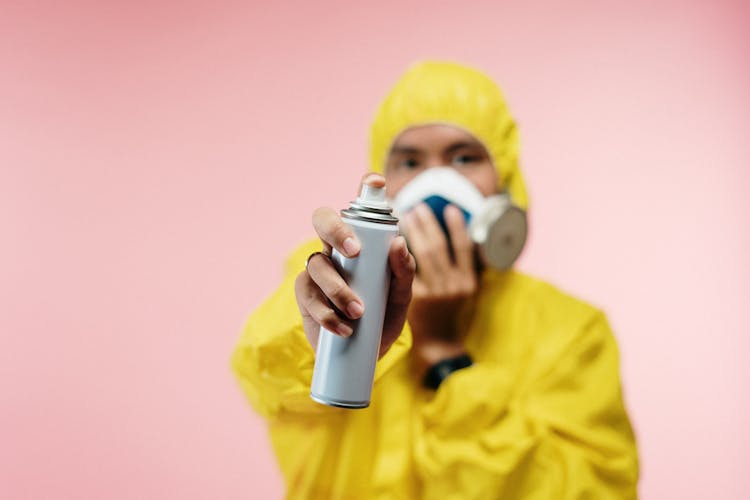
[
  {"x": 344, "y": 330},
  {"x": 351, "y": 247},
  {"x": 371, "y": 178},
  {"x": 355, "y": 309}
]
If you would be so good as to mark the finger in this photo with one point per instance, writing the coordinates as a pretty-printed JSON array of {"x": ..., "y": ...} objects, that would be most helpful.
[
  {"x": 463, "y": 247},
  {"x": 417, "y": 244},
  {"x": 334, "y": 233},
  {"x": 312, "y": 329},
  {"x": 312, "y": 304},
  {"x": 431, "y": 229},
  {"x": 429, "y": 245},
  {"x": 373, "y": 179},
  {"x": 329, "y": 281},
  {"x": 405, "y": 225},
  {"x": 403, "y": 268},
  {"x": 438, "y": 242},
  {"x": 419, "y": 288}
]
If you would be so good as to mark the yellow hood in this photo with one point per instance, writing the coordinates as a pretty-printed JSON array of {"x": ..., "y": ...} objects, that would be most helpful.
[{"x": 449, "y": 93}]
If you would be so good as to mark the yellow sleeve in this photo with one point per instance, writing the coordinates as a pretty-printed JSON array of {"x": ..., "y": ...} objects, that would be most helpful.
[
  {"x": 563, "y": 433},
  {"x": 273, "y": 359}
]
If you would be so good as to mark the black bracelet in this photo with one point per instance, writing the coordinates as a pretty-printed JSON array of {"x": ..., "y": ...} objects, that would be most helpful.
[{"x": 440, "y": 370}]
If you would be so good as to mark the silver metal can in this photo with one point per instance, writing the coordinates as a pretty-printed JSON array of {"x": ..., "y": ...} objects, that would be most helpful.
[{"x": 345, "y": 367}]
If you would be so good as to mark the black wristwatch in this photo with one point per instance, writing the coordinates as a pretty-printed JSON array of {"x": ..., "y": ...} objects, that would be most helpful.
[{"x": 440, "y": 370}]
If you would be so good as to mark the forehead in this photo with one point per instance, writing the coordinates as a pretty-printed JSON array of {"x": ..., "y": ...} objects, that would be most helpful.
[{"x": 433, "y": 136}]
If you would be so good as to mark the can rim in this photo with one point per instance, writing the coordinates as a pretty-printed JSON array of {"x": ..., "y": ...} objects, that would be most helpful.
[{"x": 380, "y": 216}]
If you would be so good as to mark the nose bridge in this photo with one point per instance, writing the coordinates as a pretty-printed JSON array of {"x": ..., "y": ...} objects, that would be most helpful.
[{"x": 434, "y": 159}]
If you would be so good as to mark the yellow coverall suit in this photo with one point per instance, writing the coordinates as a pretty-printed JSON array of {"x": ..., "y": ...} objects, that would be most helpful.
[{"x": 538, "y": 415}]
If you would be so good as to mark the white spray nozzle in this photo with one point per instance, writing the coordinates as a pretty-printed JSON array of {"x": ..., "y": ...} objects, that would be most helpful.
[{"x": 372, "y": 196}]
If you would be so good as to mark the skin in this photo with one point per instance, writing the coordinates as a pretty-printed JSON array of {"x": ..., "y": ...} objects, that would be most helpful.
[
  {"x": 323, "y": 297},
  {"x": 430, "y": 297}
]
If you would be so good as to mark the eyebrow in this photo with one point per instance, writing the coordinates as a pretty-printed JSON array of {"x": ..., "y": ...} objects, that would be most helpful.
[
  {"x": 460, "y": 145},
  {"x": 410, "y": 150},
  {"x": 405, "y": 150}
]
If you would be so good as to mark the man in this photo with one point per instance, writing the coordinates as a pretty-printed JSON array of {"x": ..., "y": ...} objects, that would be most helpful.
[{"x": 535, "y": 411}]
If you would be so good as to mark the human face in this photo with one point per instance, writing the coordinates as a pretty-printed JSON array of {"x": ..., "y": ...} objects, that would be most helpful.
[{"x": 426, "y": 146}]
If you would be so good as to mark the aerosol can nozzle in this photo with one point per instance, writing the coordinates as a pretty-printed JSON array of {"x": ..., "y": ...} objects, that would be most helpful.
[{"x": 371, "y": 196}]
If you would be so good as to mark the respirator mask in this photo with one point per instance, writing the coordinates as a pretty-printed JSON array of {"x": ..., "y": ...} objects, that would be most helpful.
[{"x": 494, "y": 223}]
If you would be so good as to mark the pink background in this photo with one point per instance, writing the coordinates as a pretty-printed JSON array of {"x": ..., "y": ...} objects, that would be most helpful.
[{"x": 157, "y": 159}]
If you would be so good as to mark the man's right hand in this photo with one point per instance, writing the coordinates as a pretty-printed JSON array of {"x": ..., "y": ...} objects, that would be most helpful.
[{"x": 324, "y": 298}]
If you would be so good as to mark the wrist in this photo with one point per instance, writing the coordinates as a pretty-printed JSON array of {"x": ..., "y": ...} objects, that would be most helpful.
[
  {"x": 436, "y": 321},
  {"x": 430, "y": 351},
  {"x": 441, "y": 370}
]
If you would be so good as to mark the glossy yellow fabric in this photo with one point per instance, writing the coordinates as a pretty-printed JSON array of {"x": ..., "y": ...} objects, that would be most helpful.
[
  {"x": 539, "y": 415},
  {"x": 450, "y": 93}
]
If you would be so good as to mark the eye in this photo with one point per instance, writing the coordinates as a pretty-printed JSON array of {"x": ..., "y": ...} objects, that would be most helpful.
[
  {"x": 409, "y": 163},
  {"x": 465, "y": 159}
]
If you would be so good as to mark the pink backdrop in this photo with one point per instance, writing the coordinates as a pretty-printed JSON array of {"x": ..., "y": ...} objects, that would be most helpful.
[{"x": 158, "y": 158}]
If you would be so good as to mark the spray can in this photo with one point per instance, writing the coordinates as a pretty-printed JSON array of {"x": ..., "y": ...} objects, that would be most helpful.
[{"x": 345, "y": 367}]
